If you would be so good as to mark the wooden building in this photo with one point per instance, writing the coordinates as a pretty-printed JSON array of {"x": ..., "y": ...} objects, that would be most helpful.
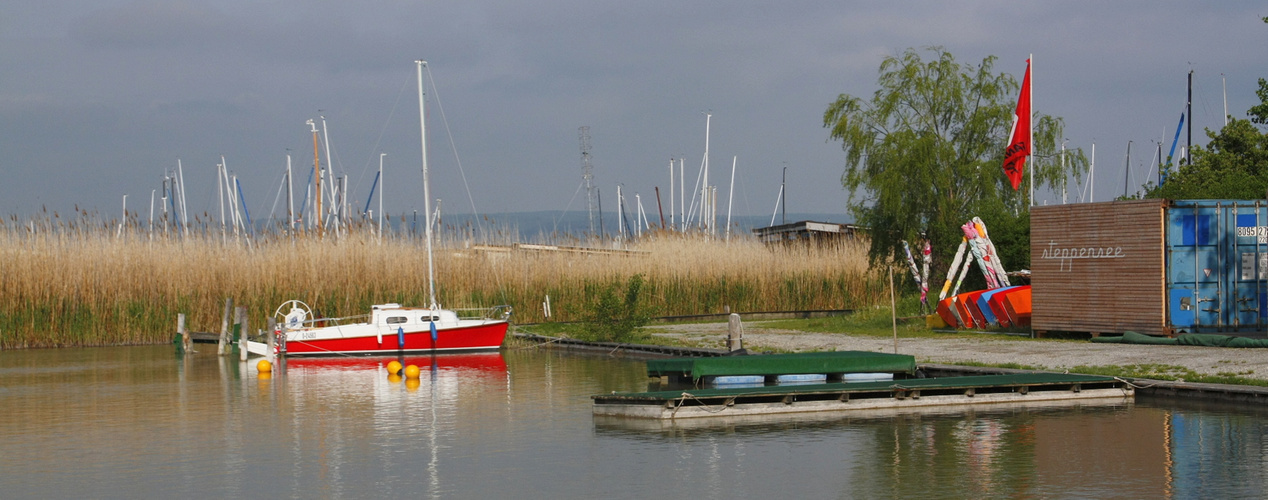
[{"x": 806, "y": 232}]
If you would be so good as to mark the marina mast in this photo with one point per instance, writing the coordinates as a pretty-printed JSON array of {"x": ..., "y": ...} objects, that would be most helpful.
[{"x": 587, "y": 173}]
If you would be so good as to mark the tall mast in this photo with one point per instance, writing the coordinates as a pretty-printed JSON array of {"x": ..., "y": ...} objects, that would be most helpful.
[
  {"x": 290, "y": 197},
  {"x": 381, "y": 189},
  {"x": 783, "y": 203},
  {"x": 1091, "y": 177},
  {"x": 587, "y": 172},
  {"x": 334, "y": 183},
  {"x": 682, "y": 196},
  {"x": 1188, "y": 106},
  {"x": 671, "y": 194},
  {"x": 180, "y": 180},
  {"x": 730, "y": 198},
  {"x": 316, "y": 178},
  {"x": 220, "y": 197},
  {"x": 704, "y": 185},
  {"x": 1127, "y": 169},
  {"x": 422, "y": 121}
]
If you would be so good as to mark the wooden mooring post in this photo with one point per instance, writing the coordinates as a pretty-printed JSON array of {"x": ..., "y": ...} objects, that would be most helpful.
[
  {"x": 270, "y": 338},
  {"x": 222, "y": 346},
  {"x": 186, "y": 345},
  {"x": 735, "y": 333},
  {"x": 240, "y": 332}
]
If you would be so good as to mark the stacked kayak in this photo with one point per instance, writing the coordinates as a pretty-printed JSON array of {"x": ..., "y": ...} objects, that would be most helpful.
[{"x": 1005, "y": 307}]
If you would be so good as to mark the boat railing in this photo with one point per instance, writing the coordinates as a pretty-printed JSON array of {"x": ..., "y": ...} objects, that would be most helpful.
[
  {"x": 320, "y": 322},
  {"x": 495, "y": 313}
]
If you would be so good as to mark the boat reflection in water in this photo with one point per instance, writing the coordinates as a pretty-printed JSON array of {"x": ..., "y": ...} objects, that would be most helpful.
[{"x": 490, "y": 363}]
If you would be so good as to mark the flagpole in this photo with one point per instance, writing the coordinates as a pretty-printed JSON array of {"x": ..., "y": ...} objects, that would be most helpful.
[{"x": 1030, "y": 68}]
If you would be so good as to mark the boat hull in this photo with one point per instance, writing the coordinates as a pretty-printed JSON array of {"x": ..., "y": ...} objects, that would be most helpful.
[{"x": 484, "y": 336}]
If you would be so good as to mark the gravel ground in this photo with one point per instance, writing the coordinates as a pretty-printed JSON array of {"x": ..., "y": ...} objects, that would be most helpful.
[{"x": 988, "y": 349}]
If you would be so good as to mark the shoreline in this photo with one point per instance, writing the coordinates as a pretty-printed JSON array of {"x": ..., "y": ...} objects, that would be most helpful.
[
  {"x": 965, "y": 356},
  {"x": 990, "y": 349}
]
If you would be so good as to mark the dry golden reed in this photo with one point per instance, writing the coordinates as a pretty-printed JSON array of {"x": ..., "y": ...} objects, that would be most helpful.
[{"x": 73, "y": 285}]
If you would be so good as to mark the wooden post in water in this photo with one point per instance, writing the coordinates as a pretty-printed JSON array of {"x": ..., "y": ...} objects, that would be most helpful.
[
  {"x": 735, "y": 333},
  {"x": 187, "y": 343},
  {"x": 180, "y": 329},
  {"x": 240, "y": 334},
  {"x": 270, "y": 339},
  {"x": 223, "y": 344}
]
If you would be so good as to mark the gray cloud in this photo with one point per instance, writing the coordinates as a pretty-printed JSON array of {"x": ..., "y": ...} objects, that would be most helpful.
[{"x": 98, "y": 98}]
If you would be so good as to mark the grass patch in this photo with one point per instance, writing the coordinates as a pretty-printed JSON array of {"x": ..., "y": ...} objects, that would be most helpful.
[{"x": 1171, "y": 373}]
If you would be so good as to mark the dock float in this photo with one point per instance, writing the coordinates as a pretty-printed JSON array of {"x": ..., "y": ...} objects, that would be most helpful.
[
  {"x": 845, "y": 397},
  {"x": 834, "y": 364}
]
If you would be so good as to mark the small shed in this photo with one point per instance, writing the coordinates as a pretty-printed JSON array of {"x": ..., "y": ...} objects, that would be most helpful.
[{"x": 806, "y": 232}]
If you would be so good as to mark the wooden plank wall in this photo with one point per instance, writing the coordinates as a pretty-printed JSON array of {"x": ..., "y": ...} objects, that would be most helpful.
[{"x": 1099, "y": 267}]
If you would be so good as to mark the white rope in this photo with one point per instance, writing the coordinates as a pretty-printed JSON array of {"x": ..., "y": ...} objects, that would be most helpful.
[{"x": 704, "y": 406}]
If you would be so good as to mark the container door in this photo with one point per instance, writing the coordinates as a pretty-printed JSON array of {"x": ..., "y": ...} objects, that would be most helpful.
[
  {"x": 1249, "y": 273},
  {"x": 1193, "y": 271}
]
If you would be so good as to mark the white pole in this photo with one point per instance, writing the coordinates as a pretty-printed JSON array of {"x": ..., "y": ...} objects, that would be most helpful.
[
  {"x": 422, "y": 120},
  {"x": 163, "y": 202},
  {"x": 671, "y": 193},
  {"x": 620, "y": 214},
  {"x": 1031, "y": 107},
  {"x": 704, "y": 185},
  {"x": 778, "y": 198},
  {"x": 1224, "y": 82},
  {"x": 639, "y": 220},
  {"x": 220, "y": 196},
  {"x": 151, "y": 214},
  {"x": 1091, "y": 177},
  {"x": 233, "y": 195},
  {"x": 330, "y": 167},
  {"x": 180, "y": 174},
  {"x": 682, "y": 196},
  {"x": 1064, "y": 176},
  {"x": 381, "y": 192},
  {"x": 730, "y": 198},
  {"x": 124, "y": 217},
  {"x": 290, "y": 198}
]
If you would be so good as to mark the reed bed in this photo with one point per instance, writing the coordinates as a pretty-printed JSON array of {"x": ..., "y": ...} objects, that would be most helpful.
[{"x": 83, "y": 284}]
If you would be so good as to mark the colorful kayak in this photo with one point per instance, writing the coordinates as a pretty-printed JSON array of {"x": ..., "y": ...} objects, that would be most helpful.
[{"x": 983, "y": 305}]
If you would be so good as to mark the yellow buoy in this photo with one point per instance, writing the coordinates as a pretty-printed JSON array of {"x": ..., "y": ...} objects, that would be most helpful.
[
  {"x": 411, "y": 371},
  {"x": 264, "y": 366},
  {"x": 394, "y": 367}
]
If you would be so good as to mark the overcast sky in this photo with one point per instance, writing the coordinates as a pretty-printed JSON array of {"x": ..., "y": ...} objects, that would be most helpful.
[{"x": 98, "y": 98}]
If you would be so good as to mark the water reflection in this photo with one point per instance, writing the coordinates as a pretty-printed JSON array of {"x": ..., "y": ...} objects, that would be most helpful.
[{"x": 142, "y": 422}]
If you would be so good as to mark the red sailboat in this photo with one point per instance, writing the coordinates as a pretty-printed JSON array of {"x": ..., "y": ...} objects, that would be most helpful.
[{"x": 392, "y": 328}]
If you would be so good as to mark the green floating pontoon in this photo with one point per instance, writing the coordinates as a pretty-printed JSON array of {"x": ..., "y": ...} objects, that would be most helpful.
[
  {"x": 833, "y": 364},
  {"x": 836, "y": 397}
]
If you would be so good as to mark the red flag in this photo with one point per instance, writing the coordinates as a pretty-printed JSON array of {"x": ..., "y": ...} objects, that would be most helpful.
[{"x": 1019, "y": 138}]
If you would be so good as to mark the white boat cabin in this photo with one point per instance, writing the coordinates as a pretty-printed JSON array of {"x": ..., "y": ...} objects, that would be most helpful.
[{"x": 393, "y": 315}]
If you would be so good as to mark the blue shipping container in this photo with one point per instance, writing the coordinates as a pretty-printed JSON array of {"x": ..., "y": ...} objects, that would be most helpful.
[{"x": 1217, "y": 266}]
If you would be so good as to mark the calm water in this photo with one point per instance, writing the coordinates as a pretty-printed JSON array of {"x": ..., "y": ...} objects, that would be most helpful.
[{"x": 140, "y": 422}]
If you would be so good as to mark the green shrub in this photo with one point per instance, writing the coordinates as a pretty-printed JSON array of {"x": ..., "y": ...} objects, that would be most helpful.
[{"x": 614, "y": 315}]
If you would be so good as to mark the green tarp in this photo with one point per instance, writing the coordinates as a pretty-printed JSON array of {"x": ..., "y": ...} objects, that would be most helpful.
[
  {"x": 784, "y": 364},
  {"x": 976, "y": 381},
  {"x": 1198, "y": 339}
]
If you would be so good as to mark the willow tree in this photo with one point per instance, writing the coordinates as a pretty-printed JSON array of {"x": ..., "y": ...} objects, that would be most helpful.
[{"x": 925, "y": 155}]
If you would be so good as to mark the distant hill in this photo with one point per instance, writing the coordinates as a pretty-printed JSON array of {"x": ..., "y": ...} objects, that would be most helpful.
[{"x": 549, "y": 226}]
